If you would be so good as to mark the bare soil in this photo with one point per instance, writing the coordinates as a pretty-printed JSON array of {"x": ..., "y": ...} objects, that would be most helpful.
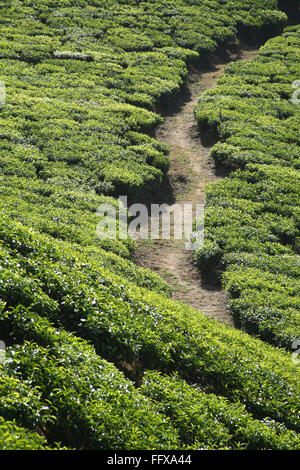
[{"x": 191, "y": 170}]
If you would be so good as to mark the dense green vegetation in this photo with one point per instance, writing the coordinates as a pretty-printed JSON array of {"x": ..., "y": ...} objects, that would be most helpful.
[
  {"x": 212, "y": 422},
  {"x": 252, "y": 217},
  {"x": 82, "y": 83},
  {"x": 13, "y": 437},
  {"x": 43, "y": 280},
  {"x": 83, "y": 79},
  {"x": 98, "y": 356}
]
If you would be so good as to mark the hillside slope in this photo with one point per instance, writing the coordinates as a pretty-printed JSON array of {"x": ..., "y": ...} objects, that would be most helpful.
[
  {"x": 252, "y": 217},
  {"x": 82, "y": 324}
]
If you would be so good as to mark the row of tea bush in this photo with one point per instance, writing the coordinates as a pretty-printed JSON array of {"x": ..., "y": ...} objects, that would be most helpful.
[{"x": 252, "y": 217}]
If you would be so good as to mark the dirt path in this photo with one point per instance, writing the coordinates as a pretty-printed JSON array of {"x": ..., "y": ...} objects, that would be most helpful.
[{"x": 191, "y": 170}]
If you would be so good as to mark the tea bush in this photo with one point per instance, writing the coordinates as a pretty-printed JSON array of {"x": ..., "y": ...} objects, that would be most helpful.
[
  {"x": 13, "y": 437},
  {"x": 139, "y": 329},
  {"x": 84, "y": 83},
  {"x": 79, "y": 77},
  {"x": 94, "y": 406},
  {"x": 206, "y": 421},
  {"x": 252, "y": 217}
]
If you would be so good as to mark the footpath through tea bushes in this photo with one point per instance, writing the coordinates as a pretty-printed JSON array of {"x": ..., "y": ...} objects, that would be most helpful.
[
  {"x": 191, "y": 169},
  {"x": 97, "y": 354}
]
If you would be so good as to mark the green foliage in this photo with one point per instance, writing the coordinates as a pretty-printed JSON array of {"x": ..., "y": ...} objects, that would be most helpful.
[
  {"x": 83, "y": 84},
  {"x": 12, "y": 437},
  {"x": 94, "y": 406},
  {"x": 252, "y": 217},
  {"x": 139, "y": 329},
  {"x": 207, "y": 422},
  {"x": 81, "y": 77},
  {"x": 89, "y": 258}
]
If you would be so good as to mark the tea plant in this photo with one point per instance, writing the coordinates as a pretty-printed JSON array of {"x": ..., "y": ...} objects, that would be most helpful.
[
  {"x": 252, "y": 217},
  {"x": 84, "y": 83}
]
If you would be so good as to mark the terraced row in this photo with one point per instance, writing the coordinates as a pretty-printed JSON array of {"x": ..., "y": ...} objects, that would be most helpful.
[
  {"x": 44, "y": 281},
  {"x": 252, "y": 217},
  {"x": 81, "y": 323}
]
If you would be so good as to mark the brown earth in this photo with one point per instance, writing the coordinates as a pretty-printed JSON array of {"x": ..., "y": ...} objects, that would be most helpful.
[{"x": 191, "y": 170}]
